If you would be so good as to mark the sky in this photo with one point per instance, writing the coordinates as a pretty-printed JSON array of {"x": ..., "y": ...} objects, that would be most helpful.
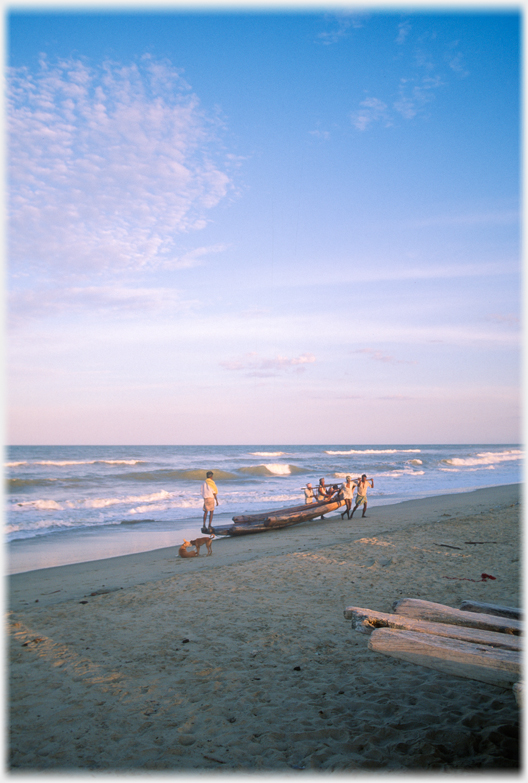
[{"x": 239, "y": 226}]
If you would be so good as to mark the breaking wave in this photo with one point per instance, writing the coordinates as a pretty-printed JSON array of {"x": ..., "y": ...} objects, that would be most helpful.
[
  {"x": 376, "y": 451},
  {"x": 168, "y": 474},
  {"x": 53, "y": 505},
  {"x": 485, "y": 459},
  {"x": 390, "y": 473},
  {"x": 272, "y": 469}
]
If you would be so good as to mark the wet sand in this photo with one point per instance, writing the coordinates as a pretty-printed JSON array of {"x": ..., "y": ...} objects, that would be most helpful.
[{"x": 244, "y": 662}]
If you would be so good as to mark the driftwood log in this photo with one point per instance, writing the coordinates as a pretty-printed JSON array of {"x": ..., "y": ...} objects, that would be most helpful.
[
  {"x": 453, "y": 656},
  {"x": 366, "y": 620},
  {"x": 439, "y": 613},
  {"x": 499, "y": 611}
]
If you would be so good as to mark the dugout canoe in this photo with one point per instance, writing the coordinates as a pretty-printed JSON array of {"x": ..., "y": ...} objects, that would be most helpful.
[{"x": 278, "y": 518}]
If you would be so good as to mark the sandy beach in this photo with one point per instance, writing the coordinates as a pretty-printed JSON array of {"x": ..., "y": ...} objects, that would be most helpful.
[{"x": 243, "y": 661}]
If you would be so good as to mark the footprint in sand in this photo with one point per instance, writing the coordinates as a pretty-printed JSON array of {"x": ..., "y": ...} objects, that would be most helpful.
[{"x": 384, "y": 561}]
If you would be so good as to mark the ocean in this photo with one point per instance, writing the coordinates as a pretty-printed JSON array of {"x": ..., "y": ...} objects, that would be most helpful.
[{"x": 67, "y": 504}]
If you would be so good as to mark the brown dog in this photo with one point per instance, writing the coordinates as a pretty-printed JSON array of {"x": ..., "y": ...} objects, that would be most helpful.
[
  {"x": 198, "y": 542},
  {"x": 184, "y": 552}
]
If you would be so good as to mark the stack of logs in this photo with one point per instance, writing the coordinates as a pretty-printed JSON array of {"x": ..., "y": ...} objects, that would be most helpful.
[{"x": 479, "y": 641}]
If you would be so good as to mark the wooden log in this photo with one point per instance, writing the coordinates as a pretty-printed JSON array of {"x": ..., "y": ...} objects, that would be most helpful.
[
  {"x": 462, "y": 659},
  {"x": 308, "y": 512},
  {"x": 518, "y": 692},
  {"x": 439, "y": 613},
  {"x": 495, "y": 609},
  {"x": 366, "y": 620}
]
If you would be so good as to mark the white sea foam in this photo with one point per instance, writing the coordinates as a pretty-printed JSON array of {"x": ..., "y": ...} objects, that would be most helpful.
[
  {"x": 376, "y": 451},
  {"x": 41, "y": 505},
  {"x": 52, "y": 505},
  {"x": 396, "y": 473},
  {"x": 98, "y": 493},
  {"x": 467, "y": 469},
  {"x": 485, "y": 458},
  {"x": 283, "y": 498},
  {"x": 14, "y": 464},
  {"x": 65, "y": 462},
  {"x": 196, "y": 503},
  {"x": 104, "y": 502},
  {"x": 39, "y": 524}
]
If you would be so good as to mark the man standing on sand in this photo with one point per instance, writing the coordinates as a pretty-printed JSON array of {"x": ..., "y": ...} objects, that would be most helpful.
[
  {"x": 361, "y": 497},
  {"x": 209, "y": 494},
  {"x": 348, "y": 495}
]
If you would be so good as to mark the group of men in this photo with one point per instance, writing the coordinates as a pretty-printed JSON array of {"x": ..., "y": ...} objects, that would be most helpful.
[{"x": 345, "y": 491}]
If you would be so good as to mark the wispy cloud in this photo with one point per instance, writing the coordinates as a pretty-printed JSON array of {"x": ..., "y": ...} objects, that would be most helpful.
[
  {"x": 192, "y": 258},
  {"x": 496, "y": 218},
  {"x": 110, "y": 300},
  {"x": 415, "y": 89},
  {"x": 455, "y": 60},
  {"x": 395, "y": 397},
  {"x": 372, "y": 110},
  {"x": 509, "y": 319},
  {"x": 339, "y": 25},
  {"x": 320, "y": 134},
  {"x": 109, "y": 164},
  {"x": 257, "y": 366},
  {"x": 414, "y": 94},
  {"x": 404, "y": 28},
  {"x": 379, "y": 356}
]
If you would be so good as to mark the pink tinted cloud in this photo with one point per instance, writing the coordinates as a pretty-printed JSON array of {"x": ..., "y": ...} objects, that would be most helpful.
[
  {"x": 378, "y": 356},
  {"x": 258, "y": 366}
]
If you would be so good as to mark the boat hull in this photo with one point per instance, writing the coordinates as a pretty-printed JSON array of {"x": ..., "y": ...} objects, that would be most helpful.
[{"x": 273, "y": 520}]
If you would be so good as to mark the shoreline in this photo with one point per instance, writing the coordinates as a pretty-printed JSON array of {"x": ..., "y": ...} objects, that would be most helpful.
[
  {"x": 68, "y": 546},
  {"x": 243, "y": 661},
  {"x": 49, "y": 547},
  {"x": 155, "y": 563}
]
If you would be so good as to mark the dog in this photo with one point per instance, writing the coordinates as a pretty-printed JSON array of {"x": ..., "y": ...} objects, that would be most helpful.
[
  {"x": 198, "y": 542},
  {"x": 184, "y": 552}
]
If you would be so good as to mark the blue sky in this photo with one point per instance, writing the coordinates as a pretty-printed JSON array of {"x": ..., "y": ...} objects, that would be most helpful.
[{"x": 264, "y": 227}]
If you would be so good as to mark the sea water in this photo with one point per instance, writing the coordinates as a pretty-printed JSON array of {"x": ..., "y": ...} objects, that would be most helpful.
[{"x": 65, "y": 496}]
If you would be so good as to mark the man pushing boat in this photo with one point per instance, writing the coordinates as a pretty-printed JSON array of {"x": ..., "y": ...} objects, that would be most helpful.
[
  {"x": 361, "y": 497},
  {"x": 348, "y": 490}
]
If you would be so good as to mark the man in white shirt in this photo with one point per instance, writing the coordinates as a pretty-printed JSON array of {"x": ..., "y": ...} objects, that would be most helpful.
[
  {"x": 210, "y": 495},
  {"x": 308, "y": 494},
  {"x": 348, "y": 495}
]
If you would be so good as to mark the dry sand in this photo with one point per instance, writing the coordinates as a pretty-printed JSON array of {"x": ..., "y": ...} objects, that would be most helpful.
[{"x": 244, "y": 662}]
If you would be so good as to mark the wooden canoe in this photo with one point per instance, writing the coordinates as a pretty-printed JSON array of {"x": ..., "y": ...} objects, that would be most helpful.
[{"x": 277, "y": 518}]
